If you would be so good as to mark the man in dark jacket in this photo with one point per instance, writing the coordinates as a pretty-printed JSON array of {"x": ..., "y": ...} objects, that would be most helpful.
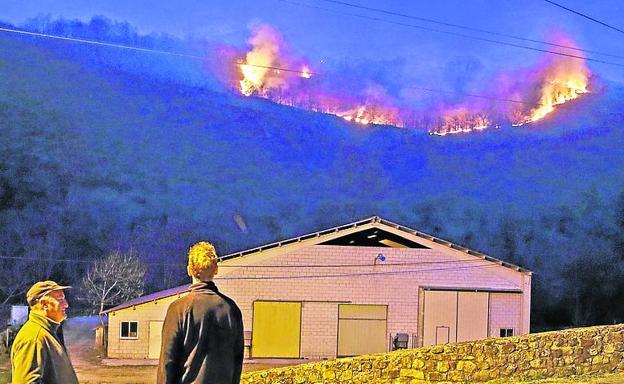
[
  {"x": 38, "y": 354},
  {"x": 202, "y": 337}
]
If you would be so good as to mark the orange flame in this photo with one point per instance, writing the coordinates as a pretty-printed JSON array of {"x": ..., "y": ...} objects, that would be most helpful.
[
  {"x": 565, "y": 80},
  {"x": 462, "y": 121},
  {"x": 305, "y": 72},
  {"x": 256, "y": 71},
  {"x": 365, "y": 115}
]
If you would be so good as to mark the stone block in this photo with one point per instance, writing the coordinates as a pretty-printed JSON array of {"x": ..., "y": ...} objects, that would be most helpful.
[{"x": 412, "y": 374}]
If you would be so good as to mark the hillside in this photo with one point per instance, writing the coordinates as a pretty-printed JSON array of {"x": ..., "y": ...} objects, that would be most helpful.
[{"x": 133, "y": 160}]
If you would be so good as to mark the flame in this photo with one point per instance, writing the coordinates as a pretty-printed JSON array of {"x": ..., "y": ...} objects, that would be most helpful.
[
  {"x": 267, "y": 70},
  {"x": 564, "y": 80},
  {"x": 365, "y": 115},
  {"x": 305, "y": 72},
  {"x": 252, "y": 79},
  {"x": 258, "y": 76},
  {"x": 462, "y": 121}
]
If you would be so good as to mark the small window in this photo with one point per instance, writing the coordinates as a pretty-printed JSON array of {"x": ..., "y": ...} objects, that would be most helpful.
[
  {"x": 129, "y": 330},
  {"x": 506, "y": 332}
]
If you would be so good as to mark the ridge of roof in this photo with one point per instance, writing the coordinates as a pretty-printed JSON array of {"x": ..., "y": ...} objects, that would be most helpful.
[{"x": 374, "y": 220}]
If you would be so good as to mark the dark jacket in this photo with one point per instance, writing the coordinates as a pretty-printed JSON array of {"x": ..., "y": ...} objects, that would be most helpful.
[
  {"x": 38, "y": 354},
  {"x": 202, "y": 339}
]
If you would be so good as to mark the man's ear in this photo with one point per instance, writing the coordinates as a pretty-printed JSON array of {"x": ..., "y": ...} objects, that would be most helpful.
[
  {"x": 216, "y": 269},
  {"x": 42, "y": 303},
  {"x": 188, "y": 271}
]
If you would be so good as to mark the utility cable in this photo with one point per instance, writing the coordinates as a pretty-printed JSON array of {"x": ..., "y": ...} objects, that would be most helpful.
[
  {"x": 584, "y": 15},
  {"x": 473, "y": 29},
  {"x": 275, "y": 68},
  {"x": 275, "y": 266},
  {"x": 420, "y": 27},
  {"x": 132, "y": 48},
  {"x": 321, "y": 276},
  {"x": 342, "y": 275}
]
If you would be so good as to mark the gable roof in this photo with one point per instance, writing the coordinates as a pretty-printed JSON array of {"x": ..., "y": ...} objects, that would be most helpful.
[
  {"x": 378, "y": 222},
  {"x": 329, "y": 235}
]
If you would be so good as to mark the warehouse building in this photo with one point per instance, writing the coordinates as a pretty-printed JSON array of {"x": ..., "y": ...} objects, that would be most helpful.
[{"x": 364, "y": 287}]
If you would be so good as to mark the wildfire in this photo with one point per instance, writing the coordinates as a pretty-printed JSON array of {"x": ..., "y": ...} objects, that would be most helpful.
[
  {"x": 305, "y": 72},
  {"x": 564, "y": 80},
  {"x": 257, "y": 70},
  {"x": 462, "y": 121},
  {"x": 365, "y": 115},
  {"x": 268, "y": 70},
  {"x": 252, "y": 79}
]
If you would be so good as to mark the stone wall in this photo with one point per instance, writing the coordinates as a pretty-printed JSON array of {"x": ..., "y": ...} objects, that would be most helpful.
[{"x": 542, "y": 355}]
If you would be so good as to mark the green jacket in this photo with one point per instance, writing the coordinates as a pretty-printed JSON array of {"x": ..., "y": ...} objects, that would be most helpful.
[{"x": 38, "y": 354}]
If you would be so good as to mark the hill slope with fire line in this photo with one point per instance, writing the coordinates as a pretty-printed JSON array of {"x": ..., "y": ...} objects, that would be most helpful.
[
  {"x": 154, "y": 149},
  {"x": 528, "y": 95}
]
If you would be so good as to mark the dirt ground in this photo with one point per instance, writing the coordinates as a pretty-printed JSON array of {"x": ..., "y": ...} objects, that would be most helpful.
[{"x": 79, "y": 338}]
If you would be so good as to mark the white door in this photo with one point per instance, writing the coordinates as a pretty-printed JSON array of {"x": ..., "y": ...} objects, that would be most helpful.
[
  {"x": 440, "y": 320},
  {"x": 155, "y": 339}
]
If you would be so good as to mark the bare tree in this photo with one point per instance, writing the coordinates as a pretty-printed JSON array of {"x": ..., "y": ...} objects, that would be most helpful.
[{"x": 114, "y": 279}]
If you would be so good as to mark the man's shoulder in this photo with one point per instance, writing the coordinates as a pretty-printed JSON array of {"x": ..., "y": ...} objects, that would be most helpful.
[
  {"x": 202, "y": 298},
  {"x": 29, "y": 333}
]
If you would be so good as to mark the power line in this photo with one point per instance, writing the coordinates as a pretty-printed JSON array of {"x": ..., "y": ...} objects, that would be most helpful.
[
  {"x": 476, "y": 96},
  {"x": 382, "y": 264},
  {"x": 584, "y": 15},
  {"x": 420, "y": 27},
  {"x": 321, "y": 276},
  {"x": 275, "y": 68},
  {"x": 383, "y": 11},
  {"x": 342, "y": 275},
  {"x": 150, "y": 50}
]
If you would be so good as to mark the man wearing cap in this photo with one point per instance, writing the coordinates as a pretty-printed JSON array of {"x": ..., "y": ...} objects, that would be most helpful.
[
  {"x": 202, "y": 337},
  {"x": 38, "y": 354}
]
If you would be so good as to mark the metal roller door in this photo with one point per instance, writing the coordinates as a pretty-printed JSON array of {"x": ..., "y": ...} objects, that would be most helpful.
[
  {"x": 361, "y": 329},
  {"x": 276, "y": 329}
]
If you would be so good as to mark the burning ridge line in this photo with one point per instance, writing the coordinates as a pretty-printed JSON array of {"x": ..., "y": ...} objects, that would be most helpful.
[{"x": 268, "y": 72}]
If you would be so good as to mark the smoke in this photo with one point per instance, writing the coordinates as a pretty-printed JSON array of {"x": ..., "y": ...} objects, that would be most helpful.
[{"x": 407, "y": 92}]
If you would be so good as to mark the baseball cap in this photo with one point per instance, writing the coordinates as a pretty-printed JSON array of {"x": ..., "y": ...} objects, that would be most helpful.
[{"x": 42, "y": 288}]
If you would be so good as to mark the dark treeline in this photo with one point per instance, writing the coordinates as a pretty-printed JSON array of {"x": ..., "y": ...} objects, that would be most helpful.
[
  {"x": 576, "y": 252},
  {"x": 94, "y": 162}
]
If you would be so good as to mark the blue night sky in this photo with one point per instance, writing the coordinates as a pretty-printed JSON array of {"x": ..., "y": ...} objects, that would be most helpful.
[{"x": 330, "y": 34}]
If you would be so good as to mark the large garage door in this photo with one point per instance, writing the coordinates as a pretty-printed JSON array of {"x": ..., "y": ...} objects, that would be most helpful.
[
  {"x": 155, "y": 339},
  {"x": 276, "y": 329},
  {"x": 472, "y": 316},
  {"x": 361, "y": 329},
  {"x": 451, "y": 316},
  {"x": 440, "y": 321}
]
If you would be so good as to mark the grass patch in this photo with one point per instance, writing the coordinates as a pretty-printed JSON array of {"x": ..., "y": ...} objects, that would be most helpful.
[{"x": 612, "y": 378}]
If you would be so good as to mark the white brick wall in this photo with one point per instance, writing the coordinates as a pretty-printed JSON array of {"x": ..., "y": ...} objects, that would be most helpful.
[
  {"x": 397, "y": 290},
  {"x": 365, "y": 283}
]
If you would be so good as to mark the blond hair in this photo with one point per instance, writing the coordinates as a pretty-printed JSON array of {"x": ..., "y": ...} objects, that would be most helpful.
[{"x": 201, "y": 257}]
